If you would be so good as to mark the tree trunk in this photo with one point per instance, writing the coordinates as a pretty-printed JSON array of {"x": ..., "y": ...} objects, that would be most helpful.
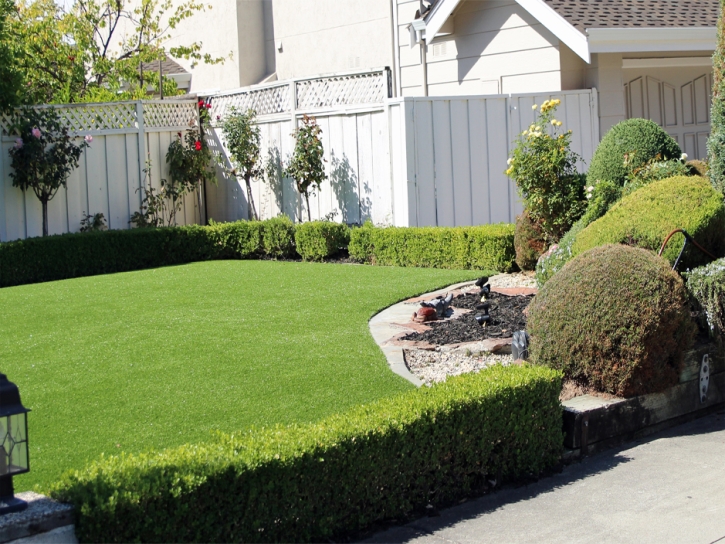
[
  {"x": 250, "y": 200},
  {"x": 202, "y": 219},
  {"x": 307, "y": 199},
  {"x": 44, "y": 202}
]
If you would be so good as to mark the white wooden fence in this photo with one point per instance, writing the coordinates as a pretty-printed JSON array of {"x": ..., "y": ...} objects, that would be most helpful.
[
  {"x": 405, "y": 162},
  {"x": 111, "y": 171}
]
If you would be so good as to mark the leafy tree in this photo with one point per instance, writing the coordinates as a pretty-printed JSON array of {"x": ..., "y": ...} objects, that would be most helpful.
[
  {"x": 243, "y": 139},
  {"x": 44, "y": 154},
  {"x": 96, "y": 50},
  {"x": 10, "y": 77},
  {"x": 716, "y": 142},
  {"x": 306, "y": 166}
]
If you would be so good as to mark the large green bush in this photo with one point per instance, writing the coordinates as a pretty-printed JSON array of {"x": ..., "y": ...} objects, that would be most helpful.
[
  {"x": 86, "y": 254},
  {"x": 615, "y": 318},
  {"x": 485, "y": 247},
  {"x": 716, "y": 142},
  {"x": 329, "y": 479},
  {"x": 706, "y": 286},
  {"x": 317, "y": 240},
  {"x": 647, "y": 216},
  {"x": 641, "y": 140}
]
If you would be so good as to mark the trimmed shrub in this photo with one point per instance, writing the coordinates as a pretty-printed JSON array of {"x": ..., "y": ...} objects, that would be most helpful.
[
  {"x": 647, "y": 216},
  {"x": 328, "y": 479},
  {"x": 640, "y": 139},
  {"x": 317, "y": 240},
  {"x": 615, "y": 318},
  {"x": 706, "y": 286},
  {"x": 278, "y": 237},
  {"x": 238, "y": 240},
  {"x": 486, "y": 247},
  {"x": 529, "y": 242},
  {"x": 697, "y": 167}
]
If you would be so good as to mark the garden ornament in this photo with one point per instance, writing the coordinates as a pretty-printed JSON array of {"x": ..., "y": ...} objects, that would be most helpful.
[
  {"x": 485, "y": 291},
  {"x": 520, "y": 345},
  {"x": 14, "y": 447},
  {"x": 480, "y": 282},
  {"x": 424, "y": 314},
  {"x": 439, "y": 304},
  {"x": 483, "y": 320}
]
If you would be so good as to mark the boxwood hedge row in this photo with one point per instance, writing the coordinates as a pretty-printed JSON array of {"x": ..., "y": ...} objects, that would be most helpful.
[
  {"x": 313, "y": 482},
  {"x": 485, "y": 247}
]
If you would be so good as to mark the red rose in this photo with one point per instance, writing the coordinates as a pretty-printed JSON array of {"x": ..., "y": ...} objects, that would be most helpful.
[
  {"x": 201, "y": 103},
  {"x": 208, "y": 106},
  {"x": 197, "y": 145}
]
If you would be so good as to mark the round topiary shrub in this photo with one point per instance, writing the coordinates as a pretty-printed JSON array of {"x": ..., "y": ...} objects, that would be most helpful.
[
  {"x": 640, "y": 139},
  {"x": 615, "y": 318},
  {"x": 645, "y": 217},
  {"x": 529, "y": 242}
]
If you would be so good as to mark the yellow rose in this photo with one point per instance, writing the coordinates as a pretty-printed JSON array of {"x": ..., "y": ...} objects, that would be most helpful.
[{"x": 534, "y": 107}]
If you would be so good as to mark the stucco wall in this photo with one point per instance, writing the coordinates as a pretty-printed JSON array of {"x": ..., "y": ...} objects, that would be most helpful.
[
  {"x": 495, "y": 47},
  {"x": 323, "y": 36}
]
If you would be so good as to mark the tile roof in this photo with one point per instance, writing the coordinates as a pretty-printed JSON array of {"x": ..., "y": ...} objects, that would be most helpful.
[{"x": 583, "y": 14}]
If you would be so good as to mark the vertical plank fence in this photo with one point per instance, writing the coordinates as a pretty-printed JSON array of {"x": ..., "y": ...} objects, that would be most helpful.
[{"x": 126, "y": 137}]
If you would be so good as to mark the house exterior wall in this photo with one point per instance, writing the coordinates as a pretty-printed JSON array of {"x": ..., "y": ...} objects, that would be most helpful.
[
  {"x": 605, "y": 73},
  {"x": 495, "y": 47},
  {"x": 324, "y": 36}
]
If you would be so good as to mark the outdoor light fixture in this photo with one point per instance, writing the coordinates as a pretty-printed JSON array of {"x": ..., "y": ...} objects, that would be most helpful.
[{"x": 14, "y": 445}]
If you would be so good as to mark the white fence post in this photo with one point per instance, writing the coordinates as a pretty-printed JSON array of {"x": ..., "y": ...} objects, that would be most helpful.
[{"x": 142, "y": 157}]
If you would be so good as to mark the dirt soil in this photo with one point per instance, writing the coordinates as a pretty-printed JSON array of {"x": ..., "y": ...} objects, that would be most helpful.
[{"x": 507, "y": 316}]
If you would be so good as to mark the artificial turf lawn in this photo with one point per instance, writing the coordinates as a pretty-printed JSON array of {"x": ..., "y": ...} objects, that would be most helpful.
[{"x": 157, "y": 358}]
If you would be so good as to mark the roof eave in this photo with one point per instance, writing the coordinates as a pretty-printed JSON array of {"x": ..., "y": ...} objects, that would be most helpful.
[{"x": 636, "y": 39}]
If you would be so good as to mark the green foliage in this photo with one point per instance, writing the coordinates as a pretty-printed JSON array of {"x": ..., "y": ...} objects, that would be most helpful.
[
  {"x": 706, "y": 286},
  {"x": 74, "y": 255},
  {"x": 243, "y": 139},
  {"x": 11, "y": 81},
  {"x": 306, "y": 166},
  {"x": 647, "y": 216},
  {"x": 544, "y": 168},
  {"x": 485, "y": 247},
  {"x": 93, "y": 222},
  {"x": 615, "y": 318},
  {"x": 317, "y": 240},
  {"x": 628, "y": 145},
  {"x": 44, "y": 154},
  {"x": 93, "y": 50},
  {"x": 653, "y": 170},
  {"x": 278, "y": 238},
  {"x": 716, "y": 141},
  {"x": 529, "y": 242},
  {"x": 313, "y": 482}
]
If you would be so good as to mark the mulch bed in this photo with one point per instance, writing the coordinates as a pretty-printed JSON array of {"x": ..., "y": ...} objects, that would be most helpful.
[{"x": 507, "y": 317}]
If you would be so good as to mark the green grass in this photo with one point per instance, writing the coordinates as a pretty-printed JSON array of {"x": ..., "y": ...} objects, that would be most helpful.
[{"x": 157, "y": 358}]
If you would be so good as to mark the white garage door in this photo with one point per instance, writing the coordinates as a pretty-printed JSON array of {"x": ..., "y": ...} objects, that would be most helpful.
[{"x": 677, "y": 99}]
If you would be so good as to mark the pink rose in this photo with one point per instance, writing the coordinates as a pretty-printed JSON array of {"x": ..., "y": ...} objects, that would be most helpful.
[
  {"x": 18, "y": 143},
  {"x": 36, "y": 132},
  {"x": 88, "y": 139}
]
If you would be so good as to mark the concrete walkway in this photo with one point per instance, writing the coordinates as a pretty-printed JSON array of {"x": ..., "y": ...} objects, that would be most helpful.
[{"x": 669, "y": 487}]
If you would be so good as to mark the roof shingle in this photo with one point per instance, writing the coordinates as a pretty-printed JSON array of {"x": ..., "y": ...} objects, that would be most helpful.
[{"x": 583, "y": 14}]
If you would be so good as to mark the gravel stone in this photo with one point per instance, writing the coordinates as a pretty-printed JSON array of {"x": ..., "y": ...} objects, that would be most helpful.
[{"x": 432, "y": 366}]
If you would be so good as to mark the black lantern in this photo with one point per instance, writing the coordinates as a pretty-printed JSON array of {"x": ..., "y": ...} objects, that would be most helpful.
[{"x": 13, "y": 445}]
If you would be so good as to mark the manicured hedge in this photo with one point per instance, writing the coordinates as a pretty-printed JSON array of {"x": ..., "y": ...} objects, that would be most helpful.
[
  {"x": 86, "y": 254},
  {"x": 645, "y": 217},
  {"x": 485, "y": 247},
  {"x": 317, "y": 481},
  {"x": 317, "y": 240}
]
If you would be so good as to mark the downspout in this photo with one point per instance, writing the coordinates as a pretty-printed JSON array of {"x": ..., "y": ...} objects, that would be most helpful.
[
  {"x": 396, "y": 47},
  {"x": 424, "y": 61}
]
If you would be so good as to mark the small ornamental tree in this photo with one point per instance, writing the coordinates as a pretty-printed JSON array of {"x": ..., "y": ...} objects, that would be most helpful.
[
  {"x": 544, "y": 169},
  {"x": 243, "y": 138},
  {"x": 306, "y": 166},
  {"x": 44, "y": 154},
  {"x": 189, "y": 160},
  {"x": 716, "y": 142},
  {"x": 11, "y": 81}
]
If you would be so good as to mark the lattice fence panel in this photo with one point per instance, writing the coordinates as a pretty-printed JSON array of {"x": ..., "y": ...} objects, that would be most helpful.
[
  {"x": 92, "y": 118},
  {"x": 263, "y": 101},
  {"x": 170, "y": 114},
  {"x": 370, "y": 88}
]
